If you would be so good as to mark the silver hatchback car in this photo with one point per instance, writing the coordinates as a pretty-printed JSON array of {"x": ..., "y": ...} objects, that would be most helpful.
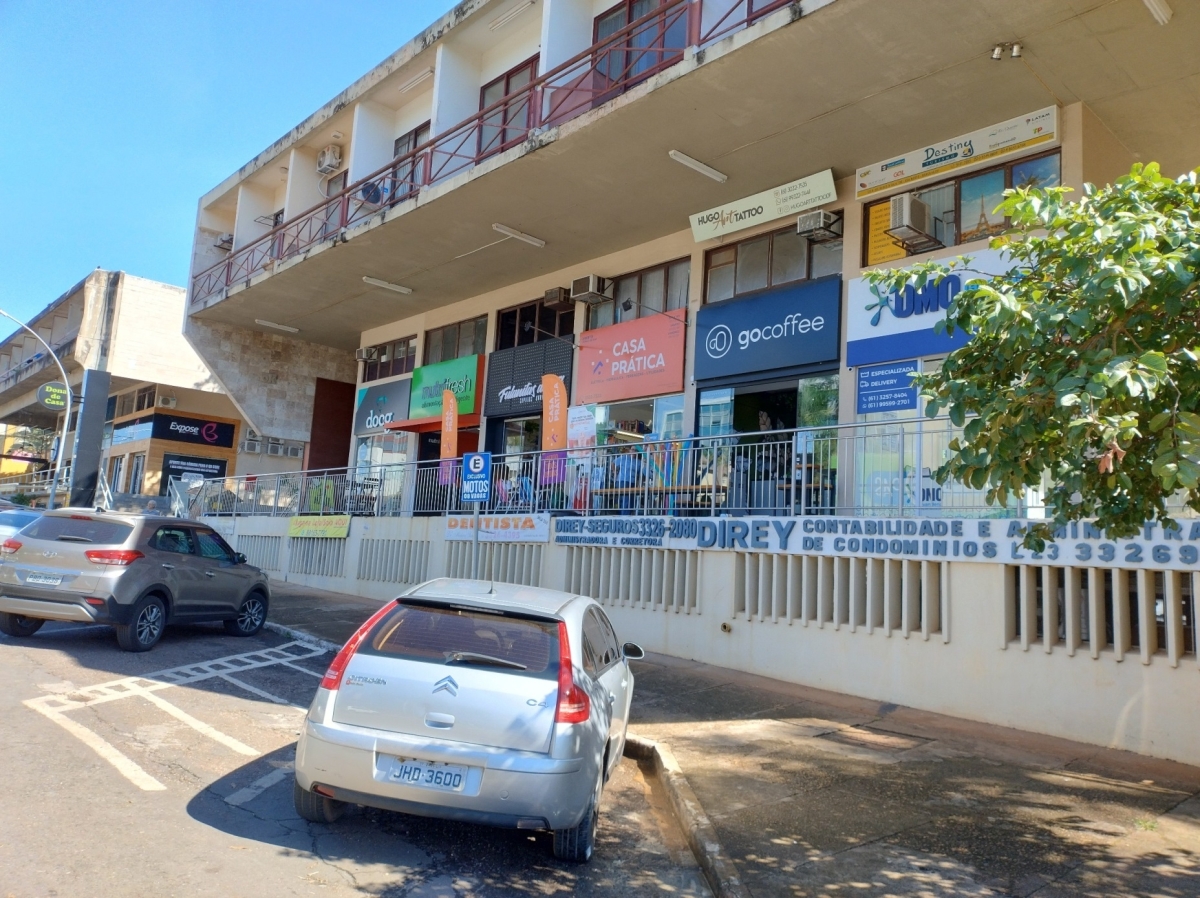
[
  {"x": 496, "y": 704},
  {"x": 136, "y": 572}
]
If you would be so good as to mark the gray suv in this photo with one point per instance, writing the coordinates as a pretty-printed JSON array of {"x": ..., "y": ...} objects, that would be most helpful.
[{"x": 136, "y": 572}]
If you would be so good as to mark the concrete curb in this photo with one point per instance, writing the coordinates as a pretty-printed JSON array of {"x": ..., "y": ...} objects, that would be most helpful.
[
  {"x": 301, "y": 636},
  {"x": 718, "y": 869}
]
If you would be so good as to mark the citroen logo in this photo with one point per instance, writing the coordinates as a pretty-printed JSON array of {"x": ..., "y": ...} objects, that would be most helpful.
[{"x": 445, "y": 684}]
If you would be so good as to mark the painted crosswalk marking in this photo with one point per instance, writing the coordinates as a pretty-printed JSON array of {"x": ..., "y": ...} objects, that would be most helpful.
[{"x": 55, "y": 706}]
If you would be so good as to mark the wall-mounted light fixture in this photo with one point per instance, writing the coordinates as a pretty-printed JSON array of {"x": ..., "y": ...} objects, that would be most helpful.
[
  {"x": 1014, "y": 48},
  {"x": 278, "y": 327},
  {"x": 518, "y": 235},
  {"x": 1159, "y": 9},
  {"x": 697, "y": 165},
  {"x": 387, "y": 285}
]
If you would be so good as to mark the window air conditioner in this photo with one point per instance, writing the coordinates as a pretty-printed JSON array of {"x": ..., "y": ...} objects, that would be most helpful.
[
  {"x": 558, "y": 299},
  {"x": 911, "y": 223},
  {"x": 365, "y": 354},
  {"x": 820, "y": 226},
  {"x": 225, "y": 242},
  {"x": 167, "y": 402},
  {"x": 253, "y": 447},
  {"x": 295, "y": 451},
  {"x": 329, "y": 159},
  {"x": 592, "y": 288}
]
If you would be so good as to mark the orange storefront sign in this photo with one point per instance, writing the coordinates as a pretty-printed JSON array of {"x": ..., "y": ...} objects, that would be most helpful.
[
  {"x": 631, "y": 360},
  {"x": 554, "y": 413}
]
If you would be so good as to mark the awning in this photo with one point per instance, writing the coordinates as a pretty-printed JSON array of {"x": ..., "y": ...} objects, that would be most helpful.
[{"x": 426, "y": 425}]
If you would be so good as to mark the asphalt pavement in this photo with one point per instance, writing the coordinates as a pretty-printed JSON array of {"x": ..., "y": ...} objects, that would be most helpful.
[{"x": 169, "y": 774}]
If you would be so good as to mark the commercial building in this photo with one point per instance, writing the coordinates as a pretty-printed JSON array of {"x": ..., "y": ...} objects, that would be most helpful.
[
  {"x": 670, "y": 207},
  {"x": 146, "y": 406}
]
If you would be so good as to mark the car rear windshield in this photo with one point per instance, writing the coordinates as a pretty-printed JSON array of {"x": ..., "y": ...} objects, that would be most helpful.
[
  {"x": 18, "y": 519},
  {"x": 78, "y": 528},
  {"x": 457, "y": 635}
]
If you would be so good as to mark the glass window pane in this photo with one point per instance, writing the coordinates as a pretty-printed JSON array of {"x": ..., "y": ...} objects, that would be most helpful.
[
  {"x": 547, "y": 323},
  {"x": 940, "y": 201},
  {"x": 818, "y": 401},
  {"x": 526, "y": 324},
  {"x": 722, "y": 256},
  {"x": 506, "y": 330},
  {"x": 466, "y": 340},
  {"x": 826, "y": 259},
  {"x": 1042, "y": 172},
  {"x": 449, "y": 342},
  {"x": 653, "y": 290},
  {"x": 716, "y": 412},
  {"x": 979, "y": 197},
  {"x": 677, "y": 285},
  {"x": 627, "y": 292},
  {"x": 789, "y": 257},
  {"x": 668, "y": 417},
  {"x": 720, "y": 284},
  {"x": 566, "y": 323},
  {"x": 752, "y": 265},
  {"x": 600, "y": 315},
  {"x": 480, "y": 335}
]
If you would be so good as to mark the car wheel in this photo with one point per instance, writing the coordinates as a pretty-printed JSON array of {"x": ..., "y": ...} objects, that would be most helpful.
[
  {"x": 251, "y": 616},
  {"x": 316, "y": 808},
  {"x": 145, "y": 627},
  {"x": 18, "y": 625},
  {"x": 576, "y": 844}
]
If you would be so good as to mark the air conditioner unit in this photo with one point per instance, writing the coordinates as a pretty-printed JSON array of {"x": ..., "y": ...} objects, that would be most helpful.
[
  {"x": 251, "y": 446},
  {"x": 295, "y": 451},
  {"x": 224, "y": 241},
  {"x": 592, "y": 288},
  {"x": 911, "y": 223},
  {"x": 274, "y": 448},
  {"x": 820, "y": 226},
  {"x": 366, "y": 354},
  {"x": 167, "y": 402},
  {"x": 329, "y": 159},
  {"x": 558, "y": 299}
]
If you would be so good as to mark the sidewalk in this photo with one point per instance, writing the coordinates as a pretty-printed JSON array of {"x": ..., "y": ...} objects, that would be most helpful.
[{"x": 816, "y": 793}]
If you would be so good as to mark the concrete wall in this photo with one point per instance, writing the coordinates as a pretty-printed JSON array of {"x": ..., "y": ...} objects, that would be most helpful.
[
  {"x": 958, "y": 659},
  {"x": 271, "y": 379}
]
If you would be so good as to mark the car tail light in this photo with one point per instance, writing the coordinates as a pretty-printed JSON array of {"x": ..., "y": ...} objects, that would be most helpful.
[
  {"x": 9, "y": 546},
  {"x": 333, "y": 676},
  {"x": 574, "y": 706},
  {"x": 118, "y": 557}
]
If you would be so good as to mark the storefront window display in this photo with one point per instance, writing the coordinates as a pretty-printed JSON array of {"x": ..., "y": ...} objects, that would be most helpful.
[{"x": 640, "y": 420}]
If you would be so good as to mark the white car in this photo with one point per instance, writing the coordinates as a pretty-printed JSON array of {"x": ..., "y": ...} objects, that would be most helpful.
[
  {"x": 504, "y": 705},
  {"x": 15, "y": 518}
]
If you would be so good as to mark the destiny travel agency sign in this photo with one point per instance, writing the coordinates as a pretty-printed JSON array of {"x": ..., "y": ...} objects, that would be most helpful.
[{"x": 922, "y": 539}]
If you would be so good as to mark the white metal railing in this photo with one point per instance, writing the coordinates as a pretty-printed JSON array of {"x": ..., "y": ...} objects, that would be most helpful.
[{"x": 862, "y": 469}]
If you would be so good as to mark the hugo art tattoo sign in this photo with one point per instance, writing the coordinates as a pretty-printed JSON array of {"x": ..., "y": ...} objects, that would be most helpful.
[{"x": 990, "y": 541}]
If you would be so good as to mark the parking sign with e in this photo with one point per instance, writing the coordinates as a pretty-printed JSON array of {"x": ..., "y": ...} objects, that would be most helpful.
[{"x": 477, "y": 477}]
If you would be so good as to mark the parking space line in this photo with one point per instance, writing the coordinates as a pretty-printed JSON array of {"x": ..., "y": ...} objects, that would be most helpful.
[
  {"x": 319, "y": 676},
  {"x": 127, "y": 768},
  {"x": 198, "y": 725},
  {"x": 259, "y": 786},
  {"x": 261, "y": 693}
]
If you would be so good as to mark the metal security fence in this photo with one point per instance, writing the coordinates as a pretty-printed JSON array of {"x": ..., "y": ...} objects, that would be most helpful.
[{"x": 865, "y": 469}]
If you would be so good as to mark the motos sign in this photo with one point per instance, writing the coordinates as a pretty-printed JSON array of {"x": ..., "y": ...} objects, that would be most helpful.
[{"x": 779, "y": 329}]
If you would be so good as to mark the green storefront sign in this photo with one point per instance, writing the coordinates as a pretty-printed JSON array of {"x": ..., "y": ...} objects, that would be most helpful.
[{"x": 460, "y": 376}]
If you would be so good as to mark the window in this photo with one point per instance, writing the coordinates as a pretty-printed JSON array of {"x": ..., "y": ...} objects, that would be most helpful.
[
  {"x": 411, "y": 173},
  {"x": 144, "y": 399},
  {"x": 212, "y": 546},
  {"x": 125, "y": 404},
  {"x": 961, "y": 210},
  {"x": 532, "y": 323},
  {"x": 454, "y": 341},
  {"x": 769, "y": 260},
  {"x": 78, "y": 529},
  {"x": 508, "y": 123},
  {"x": 600, "y": 649},
  {"x": 663, "y": 288},
  {"x": 390, "y": 359},
  {"x": 173, "y": 539},
  {"x": 653, "y": 46}
]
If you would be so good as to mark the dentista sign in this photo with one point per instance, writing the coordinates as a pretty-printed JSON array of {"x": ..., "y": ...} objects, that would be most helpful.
[{"x": 779, "y": 329}]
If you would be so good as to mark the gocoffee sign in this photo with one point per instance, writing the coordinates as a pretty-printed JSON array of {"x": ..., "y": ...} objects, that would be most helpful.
[{"x": 780, "y": 329}]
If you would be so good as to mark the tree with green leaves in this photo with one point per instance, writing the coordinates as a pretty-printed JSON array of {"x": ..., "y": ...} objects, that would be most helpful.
[{"x": 1081, "y": 375}]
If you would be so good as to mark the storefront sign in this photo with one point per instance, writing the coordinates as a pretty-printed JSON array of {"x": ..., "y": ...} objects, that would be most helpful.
[
  {"x": 581, "y": 430},
  {"x": 319, "y": 526},
  {"x": 631, "y": 360},
  {"x": 919, "y": 539},
  {"x": 459, "y": 376},
  {"x": 887, "y": 388},
  {"x": 499, "y": 528},
  {"x": 901, "y": 325},
  {"x": 514, "y": 377},
  {"x": 190, "y": 469},
  {"x": 779, "y": 202},
  {"x": 783, "y": 328},
  {"x": 193, "y": 430},
  {"x": 448, "y": 450},
  {"x": 54, "y": 396},
  {"x": 381, "y": 404},
  {"x": 132, "y": 431},
  {"x": 986, "y": 145}
]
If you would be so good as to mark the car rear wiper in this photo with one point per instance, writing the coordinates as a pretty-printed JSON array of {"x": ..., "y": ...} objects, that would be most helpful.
[
  {"x": 72, "y": 539},
  {"x": 476, "y": 658}
]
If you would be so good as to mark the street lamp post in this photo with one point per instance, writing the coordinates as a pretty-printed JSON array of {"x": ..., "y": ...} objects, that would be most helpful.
[{"x": 62, "y": 443}]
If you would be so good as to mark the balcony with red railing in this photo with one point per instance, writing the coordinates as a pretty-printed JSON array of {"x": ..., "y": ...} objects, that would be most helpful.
[{"x": 615, "y": 63}]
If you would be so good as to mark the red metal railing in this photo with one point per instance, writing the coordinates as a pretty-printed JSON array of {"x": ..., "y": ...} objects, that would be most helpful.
[{"x": 608, "y": 68}]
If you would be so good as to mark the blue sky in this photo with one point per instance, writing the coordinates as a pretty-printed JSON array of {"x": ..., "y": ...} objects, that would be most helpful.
[{"x": 116, "y": 116}]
